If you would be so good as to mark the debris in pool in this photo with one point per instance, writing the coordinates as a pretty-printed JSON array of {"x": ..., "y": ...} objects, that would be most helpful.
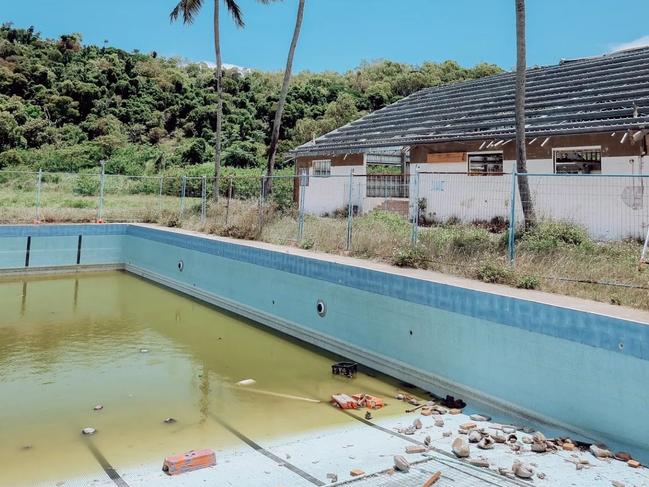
[
  {"x": 433, "y": 479},
  {"x": 88, "y": 431},
  {"x": 98, "y": 407},
  {"x": 417, "y": 424},
  {"x": 412, "y": 449},
  {"x": 600, "y": 452},
  {"x": 333, "y": 477},
  {"x": 347, "y": 369},
  {"x": 170, "y": 420},
  {"x": 451, "y": 402},
  {"x": 246, "y": 382},
  {"x": 367, "y": 401},
  {"x": 187, "y": 462},
  {"x": 401, "y": 464},
  {"x": 343, "y": 401},
  {"x": 26, "y": 447},
  {"x": 522, "y": 470},
  {"x": 633, "y": 463},
  {"x": 357, "y": 472},
  {"x": 460, "y": 447},
  {"x": 144, "y": 350},
  {"x": 368, "y": 415},
  {"x": 479, "y": 417}
]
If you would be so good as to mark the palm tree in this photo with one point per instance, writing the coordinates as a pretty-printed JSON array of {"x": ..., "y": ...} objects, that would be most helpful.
[
  {"x": 521, "y": 152},
  {"x": 189, "y": 9},
  {"x": 274, "y": 138}
]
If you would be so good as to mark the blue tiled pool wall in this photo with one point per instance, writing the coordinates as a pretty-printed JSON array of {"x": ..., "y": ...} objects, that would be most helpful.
[
  {"x": 36, "y": 246},
  {"x": 559, "y": 363}
]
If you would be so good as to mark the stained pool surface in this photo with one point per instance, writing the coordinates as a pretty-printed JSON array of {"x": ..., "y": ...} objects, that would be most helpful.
[{"x": 69, "y": 343}]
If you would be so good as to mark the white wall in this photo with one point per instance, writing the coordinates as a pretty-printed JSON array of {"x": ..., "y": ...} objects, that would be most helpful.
[
  {"x": 609, "y": 207},
  {"x": 324, "y": 195}
]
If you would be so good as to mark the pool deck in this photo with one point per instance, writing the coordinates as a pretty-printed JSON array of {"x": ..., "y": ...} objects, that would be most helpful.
[{"x": 305, "y": 460}]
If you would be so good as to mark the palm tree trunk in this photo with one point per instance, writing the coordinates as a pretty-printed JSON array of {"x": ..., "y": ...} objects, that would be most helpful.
[
  {"x": 521, "y": 151},
  {"x": 274, "y": 138},
  {"x": 219, "y": 103}
]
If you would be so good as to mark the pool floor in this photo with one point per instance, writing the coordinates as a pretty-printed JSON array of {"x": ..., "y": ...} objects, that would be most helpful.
[{"x": 71, "y": 342}]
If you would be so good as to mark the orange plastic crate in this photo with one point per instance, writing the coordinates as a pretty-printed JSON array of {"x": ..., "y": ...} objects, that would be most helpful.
[{"x": 187, "y": 462}]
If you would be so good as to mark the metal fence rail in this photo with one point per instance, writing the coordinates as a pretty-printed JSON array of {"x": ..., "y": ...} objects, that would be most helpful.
[{"x": 315, "y": 208}]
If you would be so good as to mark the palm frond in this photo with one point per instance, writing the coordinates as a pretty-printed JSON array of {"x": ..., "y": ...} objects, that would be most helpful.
[
  {"x": 235, "y": 11},
  {"x": 188, "y": 9}
]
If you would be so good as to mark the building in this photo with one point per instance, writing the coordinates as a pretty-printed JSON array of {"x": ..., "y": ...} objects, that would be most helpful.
[{"x": 583, "y": 116}]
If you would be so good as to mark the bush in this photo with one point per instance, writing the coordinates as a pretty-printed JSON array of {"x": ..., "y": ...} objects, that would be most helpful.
[
  {"x": 528, "y": 282},
  {"x": 79, "y": 203},
  {"x": 470, "y": 240},
  {"x": 494, "y": 273},
  {"x": 87, "y": 184},
  {"x": 393, "y": 222},
  {"x": 410, "y": 256},
  {"x": 549, "y": 235}
]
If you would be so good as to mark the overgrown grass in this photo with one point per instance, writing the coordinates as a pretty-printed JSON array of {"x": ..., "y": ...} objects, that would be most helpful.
[{"x": 557, "y": 257}]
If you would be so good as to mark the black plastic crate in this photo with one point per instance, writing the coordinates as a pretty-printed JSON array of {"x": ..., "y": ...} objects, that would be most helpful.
[{"x": 348, "y": 369}]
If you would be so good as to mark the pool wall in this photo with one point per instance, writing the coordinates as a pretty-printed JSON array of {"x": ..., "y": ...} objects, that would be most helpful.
[{"x": 580, "y": 370}]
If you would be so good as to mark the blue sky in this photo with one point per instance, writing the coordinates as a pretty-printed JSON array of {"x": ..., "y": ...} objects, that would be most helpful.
[{"x": 340, "y": 34}]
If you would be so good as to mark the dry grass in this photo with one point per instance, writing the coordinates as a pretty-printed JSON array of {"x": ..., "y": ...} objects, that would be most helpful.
[{"x": 557, "y": 258}]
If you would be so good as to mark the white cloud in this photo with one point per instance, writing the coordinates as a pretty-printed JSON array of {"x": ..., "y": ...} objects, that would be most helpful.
[
  {"x": 639, "y": 42},
  {"x": 211, "y": 64}
]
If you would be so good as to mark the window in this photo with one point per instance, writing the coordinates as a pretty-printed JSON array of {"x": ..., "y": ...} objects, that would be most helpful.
[
  {"x": 486, "y": 163},
  {"x": 322, "y": 168},
  {"x": 586, "y": 160}
]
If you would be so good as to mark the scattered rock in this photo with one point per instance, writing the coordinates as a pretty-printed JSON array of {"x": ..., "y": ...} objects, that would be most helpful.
[
  {"x": 468, "y": 426},
  {"x": 463, "y": 432},
  {"x": 509, "y": 430},
  {"x": 505, "y": 472},
  {"x": 368, "y": 415},
  {"x": 98, "y": 407},
  {"x": 144, "y": 350},
  {"x": 333, "y": 477},
  {"x": 399, "y": 397},
  {"x": 460, "y": 447},
  {"x": 616, "y": 483},
  {"x": 540, "y": 475},
  {"x": 433, "y": 478},
  {"x": 600, "y": 452},
  {"x": 454, "y": 411},
  {"x": 27, "y": 447},
  {"x": 288, "y": 457},
  {"x": 426, "y": 412},
  {"x": 527, "y": 440},
  {"x": 412, "y": 449},
  {"x": 409, "y": 431},
  {"x": 427, "y": 441},
  {"x": 479, "y": 417},
  {"x": 633, "y": 463},
  {"x": 446, "y": 434},
  {"x": 170, "y": 420},
  {"x": 622, "y": 456},
  {"x": 512, "y": 438},
  {"x": 522, "y": 471},
  {"x": 417, "y": 424},
  {"x": 357, "y": 472},
  {"x": 539, "y": 447},
  {"x": 401, "y": 464},
  {"x": 441, "y": 409},
  {"x": 568, "y": 446},
  {"x": 475, "y": 436},
  {"x": 479, "y": 462},
  {"x": 439, "y": 423},
  {"x": 88, "y": 431},
  {"x": 499, "y": 437},
  {"x": 486, "y": 443}
]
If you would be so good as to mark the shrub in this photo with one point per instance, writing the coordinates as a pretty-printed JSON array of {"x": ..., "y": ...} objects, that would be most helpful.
[
  {"x": 494, "y": 273},
  {"x": 550, "y": 235},
  {"x": 528, "y": 282},
  {"x": 87, "y": 184},
  {"x": 79, "y": 203},
  {"x": 470, "y": 240},
  {"x": 392, "y": 221},
  {"x": 410, "y": 256}
]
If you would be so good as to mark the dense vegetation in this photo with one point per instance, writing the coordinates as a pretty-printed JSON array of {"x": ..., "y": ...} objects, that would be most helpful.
[{"x": 65, "y": 106}]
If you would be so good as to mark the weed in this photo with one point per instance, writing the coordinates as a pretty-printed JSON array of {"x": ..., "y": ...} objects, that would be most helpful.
[
  {"x": 528, "y": 282},
  {"x": 410, "y": 256},
  {"x": 494, "y": 273}
]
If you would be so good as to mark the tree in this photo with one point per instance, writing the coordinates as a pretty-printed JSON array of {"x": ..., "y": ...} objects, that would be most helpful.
[
  {"x": 521, "y": 152},
  {"x": 274, "y": 138},
  {"x": 189, "y": 9}
]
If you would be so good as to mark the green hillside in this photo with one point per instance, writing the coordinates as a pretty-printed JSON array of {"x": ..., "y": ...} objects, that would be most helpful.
[{"x": 64, "y": 106}]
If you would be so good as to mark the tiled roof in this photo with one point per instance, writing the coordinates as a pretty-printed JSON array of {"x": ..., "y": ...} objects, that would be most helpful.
[{"x": 609, "y": 92}]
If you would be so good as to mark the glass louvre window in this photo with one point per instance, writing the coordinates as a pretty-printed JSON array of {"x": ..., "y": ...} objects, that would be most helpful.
[
  {"x": 482, "y": 163},
  {"x": 322, "y": 168},
  {"x": 577, "y": 161}
]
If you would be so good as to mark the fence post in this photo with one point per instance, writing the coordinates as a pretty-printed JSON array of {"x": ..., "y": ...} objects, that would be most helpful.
[
  {"x": 415, "y": 211},
  {"x": 227, "y": 206},
  {"x": 300, "y": 219},
  {"x": 102, "y": 182},
  {"x": 39, "y": 183},
  {"x": 261, "y": 202},
  {"x": 512, "y": 220},
  {"x": 183, "y": 189},
  {"x": 350, "y": 211},
  {"x": 203, "y": 198},
  {"x": 160, "y": 195}
]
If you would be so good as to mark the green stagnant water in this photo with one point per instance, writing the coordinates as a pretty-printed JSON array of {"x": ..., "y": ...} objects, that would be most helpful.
[{"x": 70, "y": 342}]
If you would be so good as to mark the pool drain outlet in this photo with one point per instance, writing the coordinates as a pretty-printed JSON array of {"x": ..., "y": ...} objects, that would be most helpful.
[
  {"x": 181, "y": 265},
  {"x": 321, "y": 308}
]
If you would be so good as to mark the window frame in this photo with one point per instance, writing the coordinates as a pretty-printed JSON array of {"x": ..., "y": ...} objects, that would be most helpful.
[
  {"x": 315, "y": 169},
  {"x": 584, "y": 148},
  {"x": 485, "y": 153}
]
